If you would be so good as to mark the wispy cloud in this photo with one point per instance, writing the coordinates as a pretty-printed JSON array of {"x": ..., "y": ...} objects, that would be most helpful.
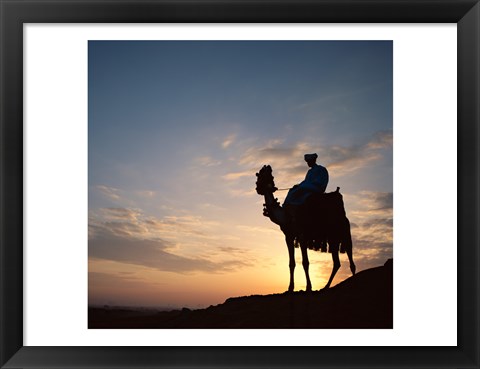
[
  {"x": 256, "y": 229},
  {"x": 242, "y": 192},
  {"x": 110, "y": 192},
  {"x": 342, "y": 160},
  {"x": 134, "y": 223},
  {"x": 273, "y": 153},
  {"x": 287, "y": 161},
  {"x": 154, "y": 254},
  {"x": 129, "y": 236},
  {"x": 146, "y": 193},
  {"x": 377, "y": 200},
  {"x": 124, "y": 197},
  {"x": 228, "y": 141},
  {"x": 207, "y": 161},
  {"x": 372, "y": 227},
  {"x": 236, "y": 175},
  {"x": 369, "y": 203},
  {"x": 339, "y": 96},
  {"x": 120, "y": 213}
]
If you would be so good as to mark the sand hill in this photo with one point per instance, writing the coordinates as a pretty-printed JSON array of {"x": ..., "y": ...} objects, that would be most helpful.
[{"x": 362, "y": 301}]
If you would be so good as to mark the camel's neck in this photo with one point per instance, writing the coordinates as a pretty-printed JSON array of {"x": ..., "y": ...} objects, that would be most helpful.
[{"x": 275, "y": 212}]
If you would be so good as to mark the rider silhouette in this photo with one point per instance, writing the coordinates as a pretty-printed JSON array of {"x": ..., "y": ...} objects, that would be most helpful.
[{"x": 315, "y": 181}]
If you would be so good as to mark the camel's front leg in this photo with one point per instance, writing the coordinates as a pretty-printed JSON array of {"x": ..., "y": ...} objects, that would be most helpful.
[
  {"x": 291, "y": 264},
  {"x": 306, "y": 264},
  {"x": 336, "y": 266}
]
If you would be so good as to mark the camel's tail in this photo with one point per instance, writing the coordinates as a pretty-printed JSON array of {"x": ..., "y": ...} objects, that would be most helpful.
[{"x": 346, "y": 244}]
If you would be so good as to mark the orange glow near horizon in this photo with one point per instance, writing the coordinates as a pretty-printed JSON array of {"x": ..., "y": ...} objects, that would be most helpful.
[{"x": 122, "y": 284}]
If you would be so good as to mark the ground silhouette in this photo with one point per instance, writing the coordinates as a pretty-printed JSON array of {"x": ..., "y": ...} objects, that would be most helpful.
[{"x": 364, "y": 300}]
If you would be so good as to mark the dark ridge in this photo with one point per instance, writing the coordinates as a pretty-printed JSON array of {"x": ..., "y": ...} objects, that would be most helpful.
[{"x": 364, "y": 300}]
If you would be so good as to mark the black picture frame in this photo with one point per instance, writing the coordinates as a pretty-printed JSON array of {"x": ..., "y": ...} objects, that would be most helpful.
[{"x": 15, "y": 13}]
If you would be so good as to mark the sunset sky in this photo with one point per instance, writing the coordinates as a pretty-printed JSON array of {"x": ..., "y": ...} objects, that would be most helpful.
[{"x": 177, "y": 131}]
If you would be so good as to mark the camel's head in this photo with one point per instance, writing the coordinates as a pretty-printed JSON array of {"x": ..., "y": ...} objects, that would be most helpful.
[{"x": 265, "y": 182}]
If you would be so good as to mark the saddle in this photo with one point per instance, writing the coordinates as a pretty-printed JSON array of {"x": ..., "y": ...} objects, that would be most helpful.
[{"x": 320, "y": 220}]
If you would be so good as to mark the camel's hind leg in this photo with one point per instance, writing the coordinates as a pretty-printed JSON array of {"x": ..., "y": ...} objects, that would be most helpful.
[
  {"x": 336, "y": 266},
  {"x": 306, "y": 264}
]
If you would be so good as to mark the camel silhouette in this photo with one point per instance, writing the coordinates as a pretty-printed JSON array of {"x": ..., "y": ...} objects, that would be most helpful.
[{"x": 319, "y": 221}]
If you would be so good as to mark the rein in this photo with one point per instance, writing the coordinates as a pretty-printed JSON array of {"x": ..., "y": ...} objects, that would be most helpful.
[{"x": 284, "y": 189}]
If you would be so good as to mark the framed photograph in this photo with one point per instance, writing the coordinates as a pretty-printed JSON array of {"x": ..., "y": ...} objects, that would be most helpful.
[{"x": 228, "y": 184}]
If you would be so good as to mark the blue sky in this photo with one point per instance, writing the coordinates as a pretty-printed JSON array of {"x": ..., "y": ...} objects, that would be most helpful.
[{"x": 177, "y": 130}]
